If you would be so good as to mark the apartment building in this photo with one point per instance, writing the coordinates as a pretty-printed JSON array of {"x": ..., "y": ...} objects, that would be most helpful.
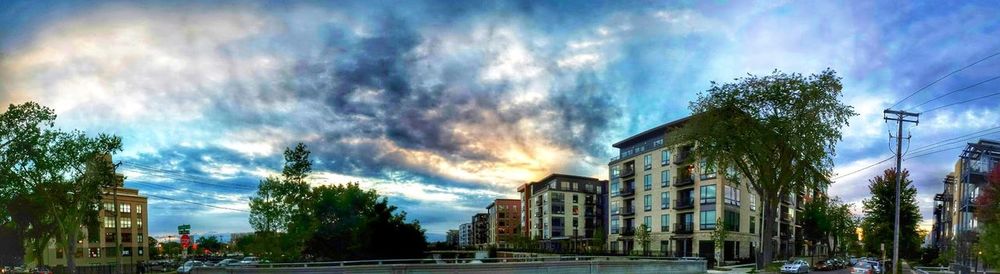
[
  {"x": 480, "y": 229},
  {"x": 524, "y": 191},
  {"x": 565, "y": 210},
  {"x": 465, "y": 235},
  {"x": 681, "y": 200},
  {"x": 504, "y": 223},
  {"x": 955, "y": 224},
  {"x": 99, "y": 246}
]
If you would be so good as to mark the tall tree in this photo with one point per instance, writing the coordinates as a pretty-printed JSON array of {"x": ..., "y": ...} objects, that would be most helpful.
[
  {"x": 988, "y": 214},
  {"x": 817, "y": 223},
  {"x": 881, "y": 206},
  {"x": 210, "y": 243},
  {"x": 281, "y": 210},
  {"x": 778, "y": 131}
]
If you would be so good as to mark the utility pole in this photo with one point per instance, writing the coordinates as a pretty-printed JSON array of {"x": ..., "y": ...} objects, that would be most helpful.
[
  {"x": 118, "y": 232},
  {"x": 899, "y": 117}
]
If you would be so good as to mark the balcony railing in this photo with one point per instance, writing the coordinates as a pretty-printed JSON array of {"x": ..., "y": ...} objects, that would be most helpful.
[
  {"x": 627, "y": 211},
  {"x": 786, "y": 217},
  {"x": 684, "y": 204},
  {"x": 683, "y": 180},
  {"x": 682, "y": 157},
  {"x": 626, "y": 191},
  {"x": 539, "y": 202},
  {"x": 628, "y": 231},
  {"x": 683, "y": 228},
  {"x": 627, "y": 172}
]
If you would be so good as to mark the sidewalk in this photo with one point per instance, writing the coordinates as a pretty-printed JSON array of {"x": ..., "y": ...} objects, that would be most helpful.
[{"x": 734, "y": 269}]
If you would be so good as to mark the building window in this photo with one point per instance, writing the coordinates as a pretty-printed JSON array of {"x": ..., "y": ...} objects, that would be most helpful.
[
  {"x": 753, "y": 202},
  {"x": 664, "y": 200},
  {"x": 732, "y": 196},
  {"x": 707, "y": 170},
  {"x": 664, "y": 222},
  {"x": 647, "y": 182},
  {"x": 664, "y": 157},
  {"x": 127, "y": 251},
  {"x": 138, "y": 209},
  {"x": 614, "y": 225},
  {"x": 140, "y": 238},
  {"x": 648, "y": 221},
  {"x": 576, "y": 210},
  {"x": 616, "y": 207},
  {"x": 708, "y": 220},
  {"x": 109, "y": 207},
  {"x": 138, "y": 223},
  {"x": 664, "y": 178},
  {"x": 647, "y": 202},
  {"x": 576, "y": 199},
  {"x": 109, "y": 222},
  {"x": 95, "y": 252},
  {"x": 126, "y": 237},
  {"x": 126, "y": 222},
  {"x": 140, "y": 251},
  {"x": 614, "y": 186},
  {"x": 109, "y": 237},
  {"x": 753, "y": 224},
  {"x": 732, "y": 221},
  {"x": 125, "y": 208},
  {"x": 576, "y": 222},
  {"x": 732, "y": 175},
  {"x": 647, "y": 161},
  {"x": 708, "y": 194}
]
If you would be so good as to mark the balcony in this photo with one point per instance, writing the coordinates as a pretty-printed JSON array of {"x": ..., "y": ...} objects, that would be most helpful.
[
  {"x": 539, "y": 202},
  {"x": 683, "y": 228},
  {"x": 627, "y": 172},
  {"x": 628, "y": 231},
  {"x": 626, "y": 191},
  {"x": 785, "y": 217},
  {"x": 684, "y": 204},
  {"x": 683, "y": 181},
  {"x": 683, "y": 156},
  {"x": 627, "y": 211}
]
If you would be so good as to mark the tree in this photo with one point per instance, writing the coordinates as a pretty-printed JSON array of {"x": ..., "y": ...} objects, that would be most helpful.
[
  {"x": 642, "y": 235},
  {"x": 719, "y": 238},
  {"x": 988, "y": 214},
  {"x": 817, "y": 221},
  {"x": 282, "y": 207},
  {"x": 152, "y": 248},
  {"x": 210, "y": 243},
  {"x": 880, "y": 211},
  {"x": 778, "y": 131}
]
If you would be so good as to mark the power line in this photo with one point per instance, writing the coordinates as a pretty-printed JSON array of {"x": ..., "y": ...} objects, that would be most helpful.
[
  {"x": 861, "y": 169},
  {"x": 926, "y": 150},
  {"x": 963, "y": 102},
  {"x": 942, "y": 78},
  {"x": 197, "y": 203},
  {"x": 957, "y": 90},
  {"x": 948, "y": 141}
]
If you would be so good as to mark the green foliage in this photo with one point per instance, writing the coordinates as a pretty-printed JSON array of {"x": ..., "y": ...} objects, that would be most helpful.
[
  {"x": 338, "y": 222},
  {"x": 211, "y": 243},
  {"x": 779, "y": 131},
  {"x": 719, "y": 238},
  {"x": 151, "y": 248},
  {"x": 52, "y": 178},
  {"x": 642, "y": 234},
  {"x": 880, "y": 214},
  {"x": 988, "y": 214}
]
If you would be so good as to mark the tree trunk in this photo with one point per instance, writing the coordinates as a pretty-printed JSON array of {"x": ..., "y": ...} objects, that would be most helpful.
[
  {"x": 70, "y": 253},
  {"x": 767, "y": 244}
]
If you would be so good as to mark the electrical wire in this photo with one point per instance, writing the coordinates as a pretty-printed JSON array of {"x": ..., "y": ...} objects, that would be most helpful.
[
  {"x": 957, "y": 90},
  {"x": 943, "y": 77},
  {"x": 962, "y": 102}
]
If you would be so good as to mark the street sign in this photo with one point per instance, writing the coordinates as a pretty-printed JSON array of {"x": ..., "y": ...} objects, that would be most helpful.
[
  {"x": 184, "y": 229},
  {"x": 185, "y": 241}
]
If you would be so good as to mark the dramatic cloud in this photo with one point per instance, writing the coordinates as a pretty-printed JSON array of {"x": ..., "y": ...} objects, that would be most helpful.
[{"x": 443, "y": 106}]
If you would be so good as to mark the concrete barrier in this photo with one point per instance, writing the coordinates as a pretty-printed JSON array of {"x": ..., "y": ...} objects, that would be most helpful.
[{"x": 551, "y": 267}]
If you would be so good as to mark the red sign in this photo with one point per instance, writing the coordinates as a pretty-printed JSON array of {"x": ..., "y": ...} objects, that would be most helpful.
[{"x": 185, "y": 241}]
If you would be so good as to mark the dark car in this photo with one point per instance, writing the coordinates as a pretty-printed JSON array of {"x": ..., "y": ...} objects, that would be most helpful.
[{"x": 826, "y": 265}]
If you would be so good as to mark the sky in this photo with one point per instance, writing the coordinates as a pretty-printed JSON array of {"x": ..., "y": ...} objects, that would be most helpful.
[{"x": 442, "y": 106}]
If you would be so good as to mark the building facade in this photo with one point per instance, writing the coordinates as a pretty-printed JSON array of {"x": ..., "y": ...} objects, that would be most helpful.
[
  {"x": 524, "y": 191},
  {"x": 566, "y": 211},
  {"x": 504, "y": 221},
  {"x": 480, "y": 229},
  {"x": 464, "y": 235},
  {"x": 99, "y": 246},
  {"x": 975, "y": 163},
  {"x": 681, "y": 200}
]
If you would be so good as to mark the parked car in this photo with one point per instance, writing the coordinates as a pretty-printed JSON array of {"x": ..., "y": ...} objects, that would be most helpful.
[
  {"x": 250, "y": 261},
  {"x": 42, "y": 270},
  {"x": 826, "y": 265},
  {"x": 863, "y": 267},
  {"x": 189, "y": 265},
  {"x": 796, "y": 266},
  {"x": 228, "y": 263}
]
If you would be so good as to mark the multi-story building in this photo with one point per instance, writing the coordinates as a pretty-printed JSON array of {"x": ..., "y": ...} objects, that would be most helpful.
[
  {"x": 565, "y": 210},
  {"x": 676, "y": 197},
  {"x": 504, "y": 224},
  {"x": 525, "y": 193},
  {"x": 944, "y": 203},
  {"x": 480, "y": 229},
  {"x": 465, "y": 235},
  {"x": 975, "y": 162},
  {"x": 122, "y": 217}
]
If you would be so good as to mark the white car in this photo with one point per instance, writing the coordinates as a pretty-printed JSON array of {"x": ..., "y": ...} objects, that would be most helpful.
[
  {"x": 250, "y": 261},
  {"x": 228, "y": 263},
  {"x": 796, "y": 266},
  {"x": 189, "y": 265}
]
